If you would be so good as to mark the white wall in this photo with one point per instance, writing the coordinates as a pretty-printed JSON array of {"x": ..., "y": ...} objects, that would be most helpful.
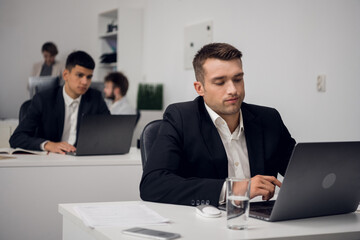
[
  {"x": 26, "y": 25},
  {"x": 286, "y": 44}
]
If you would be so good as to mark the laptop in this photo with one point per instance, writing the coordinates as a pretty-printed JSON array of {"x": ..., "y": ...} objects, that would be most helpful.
[
  {"x": 321, "y": 179},
  {"x": 105, "y": 135},
  {"x": 39, "y": 84}
]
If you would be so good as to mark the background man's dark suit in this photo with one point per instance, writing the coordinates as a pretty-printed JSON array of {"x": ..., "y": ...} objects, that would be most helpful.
[
  {"x": 45, "y": 117},
  {"x": 188, "y": 163}
]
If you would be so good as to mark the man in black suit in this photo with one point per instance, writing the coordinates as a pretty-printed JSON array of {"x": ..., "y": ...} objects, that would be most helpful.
[
  {"x": 53, "y": 118},
  {"x": 202, "y": 142}
]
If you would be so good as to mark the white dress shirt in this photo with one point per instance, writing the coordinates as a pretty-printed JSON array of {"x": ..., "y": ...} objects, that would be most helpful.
[
  {"x": 71, "y": 117},
  {"x": 121, "y": 106},
  {"x": 234, "y": 144},
  {"x": 235, "y": 148}
]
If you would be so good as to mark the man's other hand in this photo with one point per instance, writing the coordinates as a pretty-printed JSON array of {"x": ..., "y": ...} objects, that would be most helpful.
[
  {"x": 59, "y": 147},
  {"x": 263, "y": 186}
]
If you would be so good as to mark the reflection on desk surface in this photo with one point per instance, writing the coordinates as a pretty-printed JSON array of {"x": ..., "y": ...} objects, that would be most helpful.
[
  {"x": 190, "y": 225},
  {"x": 54, "y": 159}
]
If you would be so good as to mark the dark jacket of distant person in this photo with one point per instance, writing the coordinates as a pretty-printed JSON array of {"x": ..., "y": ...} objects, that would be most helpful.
[{"x": 45, "y": 117}]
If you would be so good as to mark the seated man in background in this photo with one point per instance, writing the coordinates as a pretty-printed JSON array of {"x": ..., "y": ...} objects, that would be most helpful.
[
  {"x": 202, "y": 142},
  {"x": 53, "y": 118},
  {"x": 48, "y": 67},
  {"x": 116, "y": 86}
]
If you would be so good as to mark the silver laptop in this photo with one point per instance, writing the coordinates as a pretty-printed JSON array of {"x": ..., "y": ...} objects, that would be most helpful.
[
  {"x": 105, "y": 135},
  {"x": 321, "y": 179},
  {"x": 38, "y": 84}
]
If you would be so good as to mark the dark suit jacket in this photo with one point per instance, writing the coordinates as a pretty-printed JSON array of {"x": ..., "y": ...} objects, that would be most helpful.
[
  {"x": 188, "y": 163},
  {"x": 45, "y": 117}
]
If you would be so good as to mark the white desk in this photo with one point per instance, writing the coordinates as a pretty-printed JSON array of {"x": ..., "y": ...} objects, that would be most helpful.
[
  {"x": 32, "y": 186},
  {"x": 191, "y": 226}
]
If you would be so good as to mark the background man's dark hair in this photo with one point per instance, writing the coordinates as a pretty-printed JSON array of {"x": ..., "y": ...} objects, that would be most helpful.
[
  {"x": 79, "y": 58},
  {"x": 119, "y": 80},
  {"x": 222, "y": 51},
  {"x": 50, "y": 48}
]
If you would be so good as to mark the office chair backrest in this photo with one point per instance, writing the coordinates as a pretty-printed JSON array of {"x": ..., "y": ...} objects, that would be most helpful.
[
  {"x": 98, "y": 86},
  {"x": 38, "y": 84},
  {"x": 138, "y": 115},
  {"x": 147, "y": 139},
  {"x": 23, "y": 109}
]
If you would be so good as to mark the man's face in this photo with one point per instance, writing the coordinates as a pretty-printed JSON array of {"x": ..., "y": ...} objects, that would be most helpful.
[
  {"x": 109, "y": 90},
  {"x": 77, "y": 81},
  {"x": 48, "y": 58},
  {"x": 223, "y": 88}
]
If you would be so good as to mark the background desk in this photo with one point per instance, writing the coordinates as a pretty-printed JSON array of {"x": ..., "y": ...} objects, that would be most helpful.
[
  {"x": 32, "y": 186},
  {"x": 191, "y": 226},
  {"x": 7, "y": 127}
]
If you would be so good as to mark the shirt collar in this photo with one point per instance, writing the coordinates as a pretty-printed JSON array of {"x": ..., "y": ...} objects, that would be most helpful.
[
  {"x": 122, "y": 100},
  {"x": 68, "y": 100},
  {"x": 217, "y": 120}
]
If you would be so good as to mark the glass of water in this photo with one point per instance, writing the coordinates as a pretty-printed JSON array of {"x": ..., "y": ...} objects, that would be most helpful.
[{"x": 237, "y": 202}]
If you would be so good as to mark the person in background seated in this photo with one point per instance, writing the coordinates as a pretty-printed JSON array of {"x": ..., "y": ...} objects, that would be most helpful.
[
  {"x": 53, "y": 117},
  {"x": 48, "y": 67},
  {"x": 116, "y": 86},
  {"x": 202, "y": 142}
]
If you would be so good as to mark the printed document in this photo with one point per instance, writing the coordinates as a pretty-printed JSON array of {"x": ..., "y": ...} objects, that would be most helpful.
[{"x": 122, "y": 215}]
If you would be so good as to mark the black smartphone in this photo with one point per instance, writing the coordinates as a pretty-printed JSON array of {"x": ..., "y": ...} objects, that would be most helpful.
[{"x": 150, "y": 233}]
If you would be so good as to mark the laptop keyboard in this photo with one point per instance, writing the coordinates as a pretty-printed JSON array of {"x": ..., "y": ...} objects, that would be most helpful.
[
  {"x": 265, "y": 211},
  {"x": 71, "y": 153},
  {"x": 262, "y": 207}
]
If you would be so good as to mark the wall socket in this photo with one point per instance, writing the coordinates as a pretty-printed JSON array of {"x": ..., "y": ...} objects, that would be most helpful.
[{"x": 321, "y": 83}]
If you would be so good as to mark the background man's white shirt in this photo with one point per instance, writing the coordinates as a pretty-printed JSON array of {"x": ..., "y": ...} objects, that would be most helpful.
[{"x": 121, "y": 106}]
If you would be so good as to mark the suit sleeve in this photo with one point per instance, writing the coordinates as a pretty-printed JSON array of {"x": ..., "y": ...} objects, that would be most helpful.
[
  {"x": 35, "y": 69},
  {"x": 162, "y": 180},
  {"x": 100, "y": 103},
  {"x": 103, "y": 107},
  {"x": 23, "y": 134},
  {"x": 286, "y": 147}
]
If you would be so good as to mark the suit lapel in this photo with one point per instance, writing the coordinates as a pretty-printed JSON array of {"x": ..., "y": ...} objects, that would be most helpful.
[
  {"x": 60, "y": 113},
  {"x": 84, "y": 108},
  {"x": 212, "y": 141},
  {"x": 254, "y": 141}
]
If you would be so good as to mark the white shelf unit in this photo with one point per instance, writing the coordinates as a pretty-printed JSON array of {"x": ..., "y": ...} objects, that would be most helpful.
[
  {"x": 108, "y": 41},
  {"x": 110, "y": 35}
]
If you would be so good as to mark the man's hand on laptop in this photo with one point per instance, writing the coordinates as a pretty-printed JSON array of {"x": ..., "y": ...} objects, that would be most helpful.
[
  {"x": 263, "y": 186},
  {"x": 59, "y": 147}
]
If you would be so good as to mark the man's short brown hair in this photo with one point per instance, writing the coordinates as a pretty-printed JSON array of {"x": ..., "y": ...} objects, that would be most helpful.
[
  {"x": 222, "y": 51},
  {"x": 119, "y": 80},
  {"x": 50, "y": 48}
]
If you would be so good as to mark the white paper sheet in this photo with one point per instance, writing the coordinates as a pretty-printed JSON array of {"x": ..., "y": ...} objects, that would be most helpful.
[{"x": 122, "y": 215}]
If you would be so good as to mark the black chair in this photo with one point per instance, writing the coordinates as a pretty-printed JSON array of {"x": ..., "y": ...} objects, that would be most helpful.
[
  {"x": 23, "y": 109},
  {"x": 147, "y": 139},
  {"x": 138, "y": 115},
  {"x": 98, "y": 86}
]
